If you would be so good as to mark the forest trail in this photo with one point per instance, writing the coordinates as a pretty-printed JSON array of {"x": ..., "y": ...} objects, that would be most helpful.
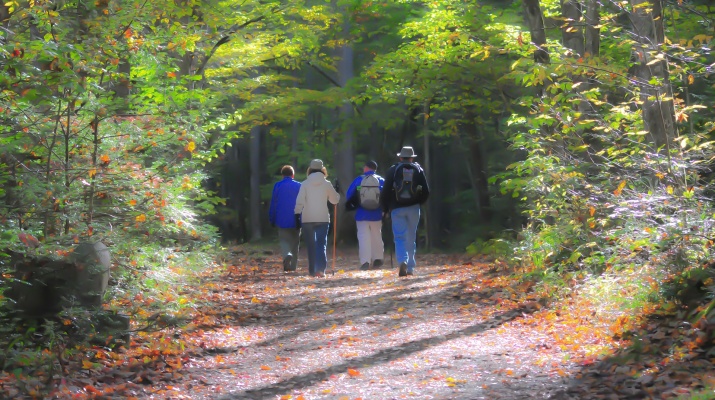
[
  {"x": 460, "y": 328},
  {"x": 445, "y": 333}
]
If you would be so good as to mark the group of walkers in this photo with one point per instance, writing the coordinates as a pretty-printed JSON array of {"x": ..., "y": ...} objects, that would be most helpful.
[{"x": 302, "y": 208}]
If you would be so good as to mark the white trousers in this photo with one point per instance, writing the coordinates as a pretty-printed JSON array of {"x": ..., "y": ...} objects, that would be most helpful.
[{"x": 370, "y": 244}]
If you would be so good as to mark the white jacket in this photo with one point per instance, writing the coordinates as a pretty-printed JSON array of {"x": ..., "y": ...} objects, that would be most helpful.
[{"x": 313, "y": 197}]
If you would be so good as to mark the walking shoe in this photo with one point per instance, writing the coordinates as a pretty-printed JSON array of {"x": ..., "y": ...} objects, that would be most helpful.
[
  {"x": 365, "y": 266},
  {"x": 377, "y": 264},
  {"x": 286, "y": 263},
  {"x": 319, "y": 275},
  {"x": 403, "y": 269}
]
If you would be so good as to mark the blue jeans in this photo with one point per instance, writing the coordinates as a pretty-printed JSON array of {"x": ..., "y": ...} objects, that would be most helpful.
[
  {"x": 315, "y": 235},
  {"x": 404, "y": 228}
]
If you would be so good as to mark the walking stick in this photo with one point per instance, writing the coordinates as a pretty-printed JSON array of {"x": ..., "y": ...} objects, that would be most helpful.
[{"x": 335, "y": 236}]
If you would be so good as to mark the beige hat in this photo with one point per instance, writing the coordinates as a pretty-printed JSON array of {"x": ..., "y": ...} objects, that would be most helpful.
[
  {"x": 407, "y": 152},
  {"x": 316, "y": 164}
]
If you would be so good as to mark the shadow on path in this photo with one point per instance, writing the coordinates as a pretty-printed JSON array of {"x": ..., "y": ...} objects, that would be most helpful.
[{"x": 383, "y": 356}]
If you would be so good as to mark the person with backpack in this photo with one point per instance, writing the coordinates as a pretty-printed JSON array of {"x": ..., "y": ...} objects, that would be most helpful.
[
  {"x": 280, "y": 214},
  {"x": 364, "y": 196},
  {"x": 311, "y": 212},
  {"x": 404, "y": 190}
]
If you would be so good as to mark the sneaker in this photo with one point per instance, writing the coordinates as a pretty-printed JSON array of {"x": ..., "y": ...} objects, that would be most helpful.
[
  {"x": 319, "y": 275},
  {"x": 365, "y": 266},
  {"x": 403, "y": 269},
  {"x": 286, "y": 263},
  {"x": 377, "y": 264}
]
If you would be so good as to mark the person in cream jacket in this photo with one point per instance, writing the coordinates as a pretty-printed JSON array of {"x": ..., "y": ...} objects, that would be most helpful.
[{"x": 312, "y": 213}]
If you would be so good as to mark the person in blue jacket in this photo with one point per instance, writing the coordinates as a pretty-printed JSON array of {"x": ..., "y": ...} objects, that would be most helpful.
[
  {"x": 280, "y": 214},
  {"x": 368, "y": 219}
]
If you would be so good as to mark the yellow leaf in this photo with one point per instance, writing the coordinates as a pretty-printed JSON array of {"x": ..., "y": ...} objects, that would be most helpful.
[
  {"x": 140, "y": 218},
  {"x": 669, "y": 190},
  {"x": 691, "y": 79},
  {"x": 190, "y": 147},
  {"x": 591, "y": 211},
  {"x": 330, "y": 311},
  {"x": 401, "y": 309},
  {"x": 92, "y": 173},
  {"x": 87, "y": 364},
  {"x": 286, "y": 397},
  {"x": 618, "y": 191},
  {"x": 255, "y": 300}
]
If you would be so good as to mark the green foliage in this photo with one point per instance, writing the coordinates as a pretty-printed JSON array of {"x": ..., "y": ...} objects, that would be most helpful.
[{"x": 600, "y": 198}]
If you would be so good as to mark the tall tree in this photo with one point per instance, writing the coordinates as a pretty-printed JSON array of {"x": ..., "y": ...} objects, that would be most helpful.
[{"x": 650, "y": 68}]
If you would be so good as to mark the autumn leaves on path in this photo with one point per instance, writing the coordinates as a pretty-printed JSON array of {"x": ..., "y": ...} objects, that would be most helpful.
[{"x": 443, "y": 333}]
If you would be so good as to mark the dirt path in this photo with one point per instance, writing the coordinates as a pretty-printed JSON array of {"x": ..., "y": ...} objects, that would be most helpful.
[{"x": 366, "y": 334}]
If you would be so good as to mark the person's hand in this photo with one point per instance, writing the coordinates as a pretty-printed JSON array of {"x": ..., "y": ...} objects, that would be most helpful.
[{"x": 298, "y": 222}]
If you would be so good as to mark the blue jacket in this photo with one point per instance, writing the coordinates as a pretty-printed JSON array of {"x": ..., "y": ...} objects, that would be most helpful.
[
  {"x": 362, "y": 214},
  {"x": 283, "y": 198}
]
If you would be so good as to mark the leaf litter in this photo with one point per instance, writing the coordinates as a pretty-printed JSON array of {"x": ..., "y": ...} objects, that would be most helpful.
[{"x": 455, "y": 330}]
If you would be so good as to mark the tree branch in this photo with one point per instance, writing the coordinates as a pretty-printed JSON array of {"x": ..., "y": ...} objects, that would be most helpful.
[{"x": 227, "y": 38}]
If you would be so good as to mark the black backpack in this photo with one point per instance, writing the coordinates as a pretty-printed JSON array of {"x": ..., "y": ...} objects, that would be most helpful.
[{"x": 407, "y": 191}]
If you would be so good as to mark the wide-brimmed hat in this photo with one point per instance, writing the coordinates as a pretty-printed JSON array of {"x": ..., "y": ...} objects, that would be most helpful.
[
  {"x": 407, "y": 152},
  {"x": 316, "y": 164}
]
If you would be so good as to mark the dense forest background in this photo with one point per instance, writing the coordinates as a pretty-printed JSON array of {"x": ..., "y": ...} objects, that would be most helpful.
[{"x": 559, "y": 137}]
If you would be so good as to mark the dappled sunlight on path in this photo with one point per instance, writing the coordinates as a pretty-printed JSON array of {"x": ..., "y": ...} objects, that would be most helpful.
[{"x": 367, "y": 334}]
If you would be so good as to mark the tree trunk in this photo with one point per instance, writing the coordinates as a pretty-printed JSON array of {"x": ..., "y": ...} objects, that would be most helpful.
[
  {"x": 593, "y": 32},
  {"x": 571, "y": 30},
  {"x": 344, "y": 152},
  {"x": 535, "y": 21},
  {"x": 256, "y": 169},
  {"x": 426, "y": 209},
  {"x": 651, "y": 73},
  {"x": 479, "y": 173}
]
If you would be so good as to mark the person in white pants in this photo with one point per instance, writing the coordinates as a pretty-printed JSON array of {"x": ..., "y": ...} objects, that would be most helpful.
[{"x": 368, "y": 216}]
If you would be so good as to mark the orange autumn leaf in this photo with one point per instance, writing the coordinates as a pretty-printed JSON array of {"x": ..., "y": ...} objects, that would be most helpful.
[
  {"x": 618, "y": 191},
  {"x": 104, "y": 159},
  {"x": 140, "y": 218},
  {"x": 265, "y": 368},
  {"x": 92, "y": 389},
  {"x": 353, "y": 372}
]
